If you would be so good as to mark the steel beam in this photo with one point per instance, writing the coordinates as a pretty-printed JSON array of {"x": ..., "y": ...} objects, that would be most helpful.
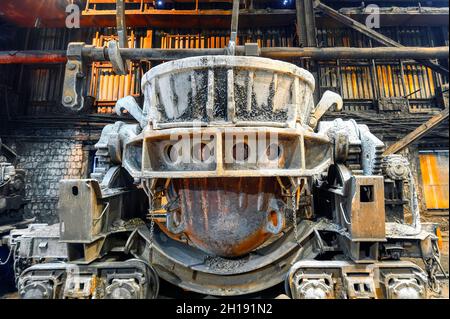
[
  {"x": 380, "y": 38},
  {"x": 301, "y": 25},
  {"x": 234, "y": 20},
  {"x": 417, "y": 133},
  {"x": 282, "y": 53},
  {"x": 121, "y": 24},
  {"x": 310, "y": 21}
]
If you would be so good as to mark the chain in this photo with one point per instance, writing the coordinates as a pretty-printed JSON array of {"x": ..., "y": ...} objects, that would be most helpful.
[
  {"x": 295, "y": 206},
  {"x": 431, "y": 270},
  {"x": 2, "y": 263},
  {"x": 151, "y": 203},
  {"x": 294, "y": 215},
  {"x": 153, "y": 194},
  {"x": 151, "y": 197},
  {"x": 432, "y": 265},
  {"x": 285, "y": 191}
]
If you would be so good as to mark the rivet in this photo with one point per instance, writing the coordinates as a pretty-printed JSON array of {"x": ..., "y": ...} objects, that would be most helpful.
[{"x": 68, "y": 99}]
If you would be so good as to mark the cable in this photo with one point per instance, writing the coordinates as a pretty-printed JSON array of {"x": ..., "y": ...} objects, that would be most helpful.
[
  {"x": 2, "y": 263},
  {"x": 343, "y": 214}
]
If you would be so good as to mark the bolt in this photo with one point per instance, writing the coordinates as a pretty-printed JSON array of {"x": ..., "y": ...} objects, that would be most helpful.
[{"x": 68, "y": 99}]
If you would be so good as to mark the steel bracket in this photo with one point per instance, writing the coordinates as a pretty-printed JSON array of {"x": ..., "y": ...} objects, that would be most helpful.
[
  {"x": 75, "y": 77},
  {"x": 252, "y": 49},
  {"x": 119, "y": 65}
]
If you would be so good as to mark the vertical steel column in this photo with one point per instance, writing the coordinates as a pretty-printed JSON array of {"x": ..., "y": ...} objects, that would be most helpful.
[
  {"x": 307, "y": 35},
  {"x": 121, "y": 25},
  {"x": 306, "y": 24},
  {"x": 301, "y": 24},
  {"x": 310, "y": 21},
  {"x": 234, "y": 21}
]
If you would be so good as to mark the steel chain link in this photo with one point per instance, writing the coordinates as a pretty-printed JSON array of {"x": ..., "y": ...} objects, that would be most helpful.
[
  {"x": 152, "y": 219},
  {"x": 294, "y": 214}
]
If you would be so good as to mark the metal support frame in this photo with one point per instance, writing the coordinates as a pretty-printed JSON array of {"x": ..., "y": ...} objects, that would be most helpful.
[
  {"x": 78, "y": 54},
  {"x": 417, "y": 133},
  {"x": 74, "y": 77},
  {"x": 380, "y": 38}
]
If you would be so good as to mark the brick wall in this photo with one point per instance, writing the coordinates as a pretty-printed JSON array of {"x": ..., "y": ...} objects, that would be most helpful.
[{"x": 49, "y": 155}]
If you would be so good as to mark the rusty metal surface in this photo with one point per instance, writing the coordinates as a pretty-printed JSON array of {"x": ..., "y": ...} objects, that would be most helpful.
[
  {"x": 434, "y": 170},
  {"x": 229, "y": 216},
  {"x": 367, "y": 212},
  {"x": 263, "y": 268},
  {"x": 32, "y": 57},
  {"x": 80, "y": 209},
  {"x": 232, "y": 227}
]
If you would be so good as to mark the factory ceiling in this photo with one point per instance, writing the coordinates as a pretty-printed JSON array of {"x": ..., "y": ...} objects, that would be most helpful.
[{"x": 208, "y": 13}]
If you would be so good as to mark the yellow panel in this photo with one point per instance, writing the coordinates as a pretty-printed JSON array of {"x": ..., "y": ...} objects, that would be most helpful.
[{"x": 434, "y": 168}]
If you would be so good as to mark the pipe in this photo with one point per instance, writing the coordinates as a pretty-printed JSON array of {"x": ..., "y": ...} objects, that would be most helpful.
[
  {"x": 32, "y": 57},
  {"x": 284, "y": 53},
  {"x": 357, "y": 53},
  {"x": 281, "y": 53},
  {"x": 166, "y": 54}
]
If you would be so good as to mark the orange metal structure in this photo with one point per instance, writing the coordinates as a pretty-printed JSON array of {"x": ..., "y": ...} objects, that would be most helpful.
[{"x": 434, "y": 167}]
